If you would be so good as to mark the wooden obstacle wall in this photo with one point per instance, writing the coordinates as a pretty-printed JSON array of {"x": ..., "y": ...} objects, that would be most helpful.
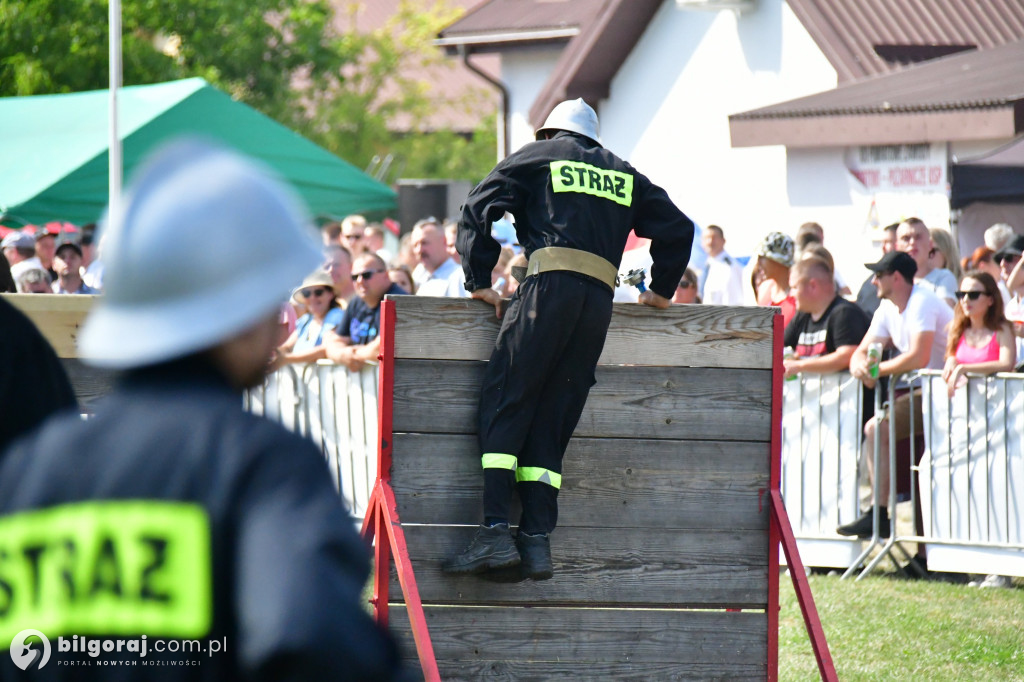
[
  {"x": 59, "y": 318},
  {"x": 663, "y": 521}
]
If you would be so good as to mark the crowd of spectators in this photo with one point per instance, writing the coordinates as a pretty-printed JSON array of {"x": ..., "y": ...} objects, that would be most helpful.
[
  {"x": 928, "y": 307},
  {"x": 923, "y": 304}
]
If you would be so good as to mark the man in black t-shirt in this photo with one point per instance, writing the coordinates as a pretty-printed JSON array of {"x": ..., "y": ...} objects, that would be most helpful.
[
  {"x": 354, "y": 342},
  {"x": 827, "y": 328}
]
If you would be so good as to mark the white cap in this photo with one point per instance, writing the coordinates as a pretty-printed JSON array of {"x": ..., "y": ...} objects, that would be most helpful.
[{"x": 207, "y": 243}]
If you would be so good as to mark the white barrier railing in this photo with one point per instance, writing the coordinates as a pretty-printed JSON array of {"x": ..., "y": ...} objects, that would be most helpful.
[
  {"x": 970, "y": 478},
  {"x": 972, "y": 474},
  {"x": 337, "y": 409},
  {"x": 821, "y": 427}
]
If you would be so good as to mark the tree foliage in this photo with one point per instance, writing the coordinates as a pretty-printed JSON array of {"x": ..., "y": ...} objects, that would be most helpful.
[
  {"x": 396, "y": 82},
  {"x": 348, "y": 90},
  {"x": 249, "y": 48}
]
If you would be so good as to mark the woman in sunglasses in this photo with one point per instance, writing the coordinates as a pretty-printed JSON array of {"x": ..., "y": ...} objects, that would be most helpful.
[
  {"x": 981, "y": 339},
  {"x": 305, "y": 343},
  {"x": 686, "y": 290}
]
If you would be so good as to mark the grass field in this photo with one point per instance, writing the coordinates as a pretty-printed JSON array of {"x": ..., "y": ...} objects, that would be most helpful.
[{"x": 883, "y": 628}]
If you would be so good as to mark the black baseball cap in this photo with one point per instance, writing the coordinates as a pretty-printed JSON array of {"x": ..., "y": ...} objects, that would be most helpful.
[
  {"x": 895, "y": 261},
  {"x": 1014, "y": 248},
  {"x": 69, "y": 245}
]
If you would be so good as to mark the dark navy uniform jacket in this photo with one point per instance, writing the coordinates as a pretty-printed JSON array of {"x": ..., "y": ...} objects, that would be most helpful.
[
  {"x": 33, "y": 384},
  {"x": 175, "y": 514},
  {"x": 571, "y": 192}
]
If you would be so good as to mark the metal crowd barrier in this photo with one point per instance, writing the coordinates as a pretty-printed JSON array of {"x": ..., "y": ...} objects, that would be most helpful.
[
  {"x": 337, "y": 409},
  {"x": 969, "y": 479},
  {"x": 972, "y": 474},
  {"x": 967, "y": 485},
  {"x": 821, "y": 433}
]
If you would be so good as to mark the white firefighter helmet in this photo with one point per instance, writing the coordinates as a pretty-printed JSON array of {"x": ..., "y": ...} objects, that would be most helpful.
[
  {"x": 573, "y": 115},
  {"x": 206, "y": 244}
]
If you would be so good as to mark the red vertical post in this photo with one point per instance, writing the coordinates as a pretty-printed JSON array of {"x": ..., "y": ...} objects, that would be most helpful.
[
  {"x": 381, "y": 522},
  {"x": 385, "y": 389},
  {"x": 375, "y": 525},
  {"x": 774, "y": 477},
  {"x": 381, "y": 563}
]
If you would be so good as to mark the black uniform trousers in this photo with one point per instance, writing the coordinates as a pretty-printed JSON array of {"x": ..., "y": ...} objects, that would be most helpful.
[{"x": 534, "y": 390}]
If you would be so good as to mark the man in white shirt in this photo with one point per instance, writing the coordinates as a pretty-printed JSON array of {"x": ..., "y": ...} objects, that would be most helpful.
[
  {"x": 437, "y": 274},
  {"x": 914, "y": 237},
  {"x": 722, "y": 279},
  {"x": 915, "y": 321}
]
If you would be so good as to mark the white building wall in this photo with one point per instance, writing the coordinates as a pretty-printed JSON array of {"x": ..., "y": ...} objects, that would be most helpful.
[
  {"x": 670, "y": 102},
  {"x": 524, "y": 72},
  {"x": 668, "y": 115}
]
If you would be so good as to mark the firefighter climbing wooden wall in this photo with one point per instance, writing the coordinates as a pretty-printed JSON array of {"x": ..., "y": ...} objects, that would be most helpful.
[{"x": 663, "y": 506}]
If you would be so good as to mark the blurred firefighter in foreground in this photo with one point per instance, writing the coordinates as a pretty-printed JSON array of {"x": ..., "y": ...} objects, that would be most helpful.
[{"x": 173, "y": 513}]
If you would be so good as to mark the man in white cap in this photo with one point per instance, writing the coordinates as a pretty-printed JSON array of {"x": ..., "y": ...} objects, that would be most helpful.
[
  {"x": 172, "y": 513},
  {"x": 20, "y": 250},
  {"x": 574, "y": 204}
]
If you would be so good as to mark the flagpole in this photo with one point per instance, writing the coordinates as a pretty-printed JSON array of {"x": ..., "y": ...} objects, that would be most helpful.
[{"x": 114, "y": 144}]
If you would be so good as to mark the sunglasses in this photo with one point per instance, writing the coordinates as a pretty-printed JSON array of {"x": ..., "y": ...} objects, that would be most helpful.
[
  {"x": 686, "y": 284},
  {"x": 366, "y": 274},
  {"x": 1006, "y": 257},
  {"x": 973, "y": 295},
  {"x": 310, "y": 293}
]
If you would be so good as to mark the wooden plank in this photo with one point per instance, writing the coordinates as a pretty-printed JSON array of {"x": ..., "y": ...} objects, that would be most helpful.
[
  {"x": 606, "y": 482},
  {"x": 58, "y": 317},
  {"x": 89, "y": 383},
  {"x": 627, "y": 402},
  {"x": 611, "y": 567},
  {"x": 518, "y": 671},
  {"x": 696, "y": 336},
  {"x": 590, "y": 644}
]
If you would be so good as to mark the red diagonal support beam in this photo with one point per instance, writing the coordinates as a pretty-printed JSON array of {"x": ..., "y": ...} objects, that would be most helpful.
[
  {"x": 780, "y": 520},
  {"x": 381, "y": 521}
]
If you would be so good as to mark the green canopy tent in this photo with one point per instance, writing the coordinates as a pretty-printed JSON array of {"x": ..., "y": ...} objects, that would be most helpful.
[{"x": 55, "y": 162}]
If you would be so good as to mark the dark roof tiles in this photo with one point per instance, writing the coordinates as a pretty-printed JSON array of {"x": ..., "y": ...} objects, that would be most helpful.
[
  {"x": 971, "y": 80},
  {"x": 847, "y": 31}
]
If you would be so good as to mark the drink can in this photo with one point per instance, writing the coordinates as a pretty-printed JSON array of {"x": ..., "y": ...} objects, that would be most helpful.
[
  {"x": 874, "y": 357},
  {"x": 788, "y": 353}
]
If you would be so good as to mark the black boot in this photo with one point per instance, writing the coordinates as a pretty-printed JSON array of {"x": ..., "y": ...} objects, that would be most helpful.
[
  {"x": 492, "y": 547},
  {"x": 862, "y": 526},
  {"x": 535, "y": 551}
]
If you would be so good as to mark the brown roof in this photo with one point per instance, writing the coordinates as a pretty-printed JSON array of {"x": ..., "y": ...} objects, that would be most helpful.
[
  {"x": 452, "y": 80},
  {"x": 600, "y": 35},
  {"x": 854, "y": 34},
  {"x": 495, "y": 23},
  {"x": 973, "y": 95},
  {"x": 860, "y": 38}
]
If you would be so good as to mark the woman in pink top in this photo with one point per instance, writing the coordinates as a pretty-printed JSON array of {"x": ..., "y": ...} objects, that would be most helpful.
[
  {"x": 980, "y": 338},
  {"x": 774, "y": 259}
]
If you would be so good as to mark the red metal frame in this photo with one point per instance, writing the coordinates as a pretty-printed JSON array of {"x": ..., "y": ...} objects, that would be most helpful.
[
  {"x": 774, "y": 478},
  {"x": 781, "y": 532},
  {"x": 381, "y": 522}
]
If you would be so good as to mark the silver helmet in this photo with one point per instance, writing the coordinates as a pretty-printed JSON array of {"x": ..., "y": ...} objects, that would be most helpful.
[
  {"x": 168, "y": 290},
  {"x": 573, "y": 115}
]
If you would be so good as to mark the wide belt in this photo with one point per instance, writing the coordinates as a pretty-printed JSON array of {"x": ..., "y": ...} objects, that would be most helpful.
[{"x": 560, "y": 258}]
